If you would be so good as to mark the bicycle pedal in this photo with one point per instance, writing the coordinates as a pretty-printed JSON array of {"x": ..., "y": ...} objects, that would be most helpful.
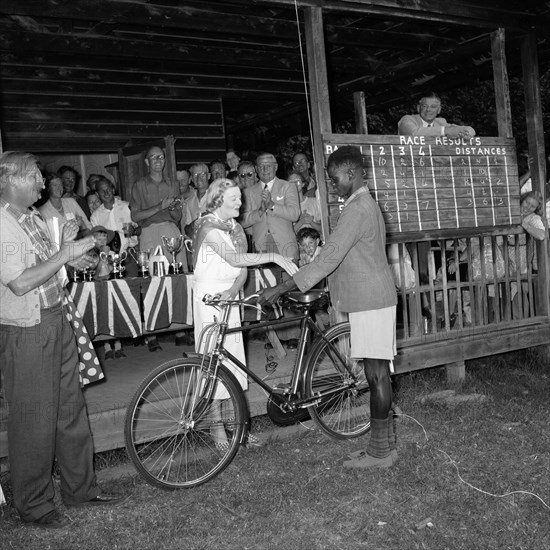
[{"x": 281, "y": 389}]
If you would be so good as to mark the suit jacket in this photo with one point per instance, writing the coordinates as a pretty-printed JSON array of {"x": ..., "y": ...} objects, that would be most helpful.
[
  {"x": 354, "y": 256},
  {"x": 411, "y": 125},
  {"x": 277, "y": 222}
]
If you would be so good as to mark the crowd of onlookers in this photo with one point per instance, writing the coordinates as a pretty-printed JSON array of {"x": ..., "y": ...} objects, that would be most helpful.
[{"x": 274, "y": 210}]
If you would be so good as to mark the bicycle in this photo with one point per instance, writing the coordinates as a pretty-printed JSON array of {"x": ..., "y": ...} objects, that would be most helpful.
[{"x": 169, "y": 419}]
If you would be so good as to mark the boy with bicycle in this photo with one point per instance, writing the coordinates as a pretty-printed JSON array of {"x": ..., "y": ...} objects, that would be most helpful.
[{"x": 361, "y": 285}]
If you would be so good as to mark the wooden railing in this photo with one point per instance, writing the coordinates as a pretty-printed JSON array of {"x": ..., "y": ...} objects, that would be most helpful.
[{"x": 495, "y": 282}]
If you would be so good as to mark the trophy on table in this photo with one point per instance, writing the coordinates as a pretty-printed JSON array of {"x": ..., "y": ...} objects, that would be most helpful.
[
  {"x": 143, "y": 261},
  {"x": 173, "y": 245},
  {"x": 116, "y": 256},
  {"x": 118, "y": 268}
]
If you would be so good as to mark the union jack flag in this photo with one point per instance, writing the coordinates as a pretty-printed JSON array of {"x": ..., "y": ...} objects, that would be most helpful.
[{"x": 167, "y": 300}]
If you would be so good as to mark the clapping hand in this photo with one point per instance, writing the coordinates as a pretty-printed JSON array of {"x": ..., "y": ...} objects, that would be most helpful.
[
  {"x": 75, "y": 252},
  {"x": 267, "y": 201},
  {"x": 69, "y": 231}
]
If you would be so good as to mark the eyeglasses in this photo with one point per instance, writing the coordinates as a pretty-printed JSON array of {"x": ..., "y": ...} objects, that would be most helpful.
[
  {"x": 246, "y": 174},
  {"x": 38, "y": 177},
  {"x": 156, "y": 157},
  {"x": 197, "y": 174},
  {"x": 300, "y": 162}
]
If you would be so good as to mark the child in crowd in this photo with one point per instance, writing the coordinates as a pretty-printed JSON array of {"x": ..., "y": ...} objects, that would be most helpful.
[{"x": 309, "y": 245}]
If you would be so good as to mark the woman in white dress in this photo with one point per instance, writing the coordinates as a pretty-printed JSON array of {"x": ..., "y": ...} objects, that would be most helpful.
[{"x": 220, "y": 259}]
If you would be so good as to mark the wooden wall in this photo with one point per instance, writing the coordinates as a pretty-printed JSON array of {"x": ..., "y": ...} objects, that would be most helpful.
[{"x": 57, "y": 104}]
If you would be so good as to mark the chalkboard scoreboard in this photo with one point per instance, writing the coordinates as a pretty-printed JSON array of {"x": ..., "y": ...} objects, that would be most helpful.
[{"x": 431, "y": 183}]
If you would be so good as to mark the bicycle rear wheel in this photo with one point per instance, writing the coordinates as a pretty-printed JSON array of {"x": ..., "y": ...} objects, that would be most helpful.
[
  {"x": 169, "y": 419},
  {"x": 344, "y": 411}
]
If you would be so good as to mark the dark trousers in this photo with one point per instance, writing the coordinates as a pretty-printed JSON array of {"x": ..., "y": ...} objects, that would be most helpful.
[{"x": 47, "y": 415}]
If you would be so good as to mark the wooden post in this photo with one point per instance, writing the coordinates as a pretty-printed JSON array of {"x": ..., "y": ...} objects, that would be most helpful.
[
  {"x": 535, "y": 137},
  {"x": 456, "y": 372},
  {"x": 361, "y": 124},
  {"x": 502, "y": 90},
  {"x": 319, "y": 98}
]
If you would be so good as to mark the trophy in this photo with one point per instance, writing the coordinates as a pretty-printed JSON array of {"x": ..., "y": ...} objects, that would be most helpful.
[
  {"x": 143, "y": 261},
  {"x": 173, "y": 245},
  {"x": 118, "y": 268}
]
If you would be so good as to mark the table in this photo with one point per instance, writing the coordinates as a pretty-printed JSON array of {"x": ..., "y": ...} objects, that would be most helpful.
[{"x": 131, "y": 307}]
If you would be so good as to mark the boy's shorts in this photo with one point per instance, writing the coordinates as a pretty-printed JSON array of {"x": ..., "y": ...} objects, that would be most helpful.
[{"x": 373, "y": 334}]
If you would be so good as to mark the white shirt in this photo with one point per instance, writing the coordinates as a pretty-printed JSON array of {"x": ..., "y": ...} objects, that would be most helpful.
[
  {"x": 268, "y": 185},
  {"x": 114, "y": 220}
]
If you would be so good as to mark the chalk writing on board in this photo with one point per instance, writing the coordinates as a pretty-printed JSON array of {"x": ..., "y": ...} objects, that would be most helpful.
[{"x": 426, "y": 183}]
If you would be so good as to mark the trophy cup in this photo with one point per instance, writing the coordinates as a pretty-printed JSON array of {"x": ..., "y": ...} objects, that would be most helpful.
[
  {"x": 173, "y": 245},
  {"x": 143, "y": 261},
  {"x": 118, "y": 268}
]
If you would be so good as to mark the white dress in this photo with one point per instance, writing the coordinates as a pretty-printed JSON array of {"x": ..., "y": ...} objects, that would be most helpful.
[{"x": 213, "y": 275}]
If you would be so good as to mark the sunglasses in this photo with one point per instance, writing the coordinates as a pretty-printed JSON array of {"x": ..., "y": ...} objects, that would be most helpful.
[{"x": 246, "y": 174}]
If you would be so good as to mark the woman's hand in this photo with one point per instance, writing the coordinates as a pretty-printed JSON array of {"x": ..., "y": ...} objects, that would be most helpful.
[
  {"x": 286, "y": 263},
  {"x": 229, "y": 294}
]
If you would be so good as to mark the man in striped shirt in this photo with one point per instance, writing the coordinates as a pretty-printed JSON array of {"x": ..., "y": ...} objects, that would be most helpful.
[{"x": 38, "y": 353}]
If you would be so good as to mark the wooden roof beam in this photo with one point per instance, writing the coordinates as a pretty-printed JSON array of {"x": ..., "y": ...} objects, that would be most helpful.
[
  {"x": 28, "y": 23},
  {"x": 106, "y": 46},
  {"x": 198, "y": 16},
  {"x": 384, "y": 39},
  {"x": 481, "y": 14}
]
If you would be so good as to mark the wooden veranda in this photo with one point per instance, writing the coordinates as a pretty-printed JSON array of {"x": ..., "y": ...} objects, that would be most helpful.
[{"x": 92, "y": 77}]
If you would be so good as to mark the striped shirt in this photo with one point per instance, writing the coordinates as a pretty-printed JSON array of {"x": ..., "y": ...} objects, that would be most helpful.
[{"x": 50, "y": 293}]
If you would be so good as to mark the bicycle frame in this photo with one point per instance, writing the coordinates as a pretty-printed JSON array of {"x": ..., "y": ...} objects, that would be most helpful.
[{"x": 307, "y": 329}]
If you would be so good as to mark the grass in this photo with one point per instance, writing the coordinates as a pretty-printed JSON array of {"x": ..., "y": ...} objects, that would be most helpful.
[{"x": 295, "y": 494}]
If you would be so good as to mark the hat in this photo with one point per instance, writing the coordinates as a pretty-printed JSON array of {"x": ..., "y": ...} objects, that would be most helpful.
[{"x": 98, "y": 228}]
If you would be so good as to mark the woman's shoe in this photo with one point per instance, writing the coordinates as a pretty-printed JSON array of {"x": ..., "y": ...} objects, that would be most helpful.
[
  {"x": 251, "y": 440},
  {"x": 109, "y": 355},
  {"x": 119, "y": 353},
  {"x": 222, "y": 446}
]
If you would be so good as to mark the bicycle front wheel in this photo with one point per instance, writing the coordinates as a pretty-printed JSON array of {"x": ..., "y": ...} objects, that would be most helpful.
[
  {"x": 171, "y": 419},
  {"x": 343, "y": 408}
]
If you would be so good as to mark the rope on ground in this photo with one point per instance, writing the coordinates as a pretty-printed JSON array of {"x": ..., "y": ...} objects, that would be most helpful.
[{"x": 453, "y": 462}]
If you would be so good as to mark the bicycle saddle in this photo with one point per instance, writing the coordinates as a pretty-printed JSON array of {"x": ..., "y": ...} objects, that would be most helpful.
[{"x": 305, "y": 297}]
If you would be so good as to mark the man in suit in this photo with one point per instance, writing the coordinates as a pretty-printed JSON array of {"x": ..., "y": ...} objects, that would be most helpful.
[
  {"x": 428, "y": 123},
  {"x": 271, "y": 207}
]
